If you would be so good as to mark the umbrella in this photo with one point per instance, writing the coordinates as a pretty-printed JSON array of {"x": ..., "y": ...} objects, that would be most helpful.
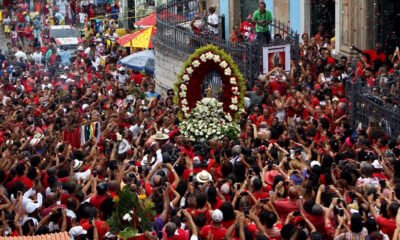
[
  {"x": 140, "y": 61},
  {"x": 139, "y": 39},
  {"x": 147, "y": 21}
]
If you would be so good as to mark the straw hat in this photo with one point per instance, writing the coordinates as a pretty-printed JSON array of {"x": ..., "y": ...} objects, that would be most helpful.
[
  {"x": 203, "y": 176},
  {"x": 77, "y": 164},
  {"x": 36, "y": 139},
  {"x": 160, "y": 136},
  {"x": 123, "y": 146}
]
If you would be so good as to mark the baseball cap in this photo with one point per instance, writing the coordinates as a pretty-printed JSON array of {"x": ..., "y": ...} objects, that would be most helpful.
[
  {"x": 217, "y": 215},
  {"x": 77, "y": 231},
  {"x": 225, "y": 188}
]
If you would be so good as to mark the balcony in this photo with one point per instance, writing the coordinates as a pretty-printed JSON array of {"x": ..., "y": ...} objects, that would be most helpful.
[{"x": 175, "y": 41}]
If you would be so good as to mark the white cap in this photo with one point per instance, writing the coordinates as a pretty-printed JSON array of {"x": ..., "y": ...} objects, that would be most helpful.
[
  {"x": 225, "y": 188},
  {"x": 77, "y": 231},
  {"x": 63, "y": 76},
  {"x": 377, "y": 164},
  {"x": 121, "y": 69},
  {"x": 217, "y": 215},
  {"x": 69, "y": 80},
  {"x": 84, "y": 106},
  {"x": 80, "y": 48},
  {"x": 315, "y": 163}
]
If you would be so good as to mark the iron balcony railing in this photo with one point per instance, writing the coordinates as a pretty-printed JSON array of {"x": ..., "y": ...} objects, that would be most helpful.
[
  {"x": 175, "y": 34},
  {"x": 379, "y": 103}
]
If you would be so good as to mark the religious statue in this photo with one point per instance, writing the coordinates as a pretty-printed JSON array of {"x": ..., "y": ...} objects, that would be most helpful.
[{"x": 209, "y": 92}]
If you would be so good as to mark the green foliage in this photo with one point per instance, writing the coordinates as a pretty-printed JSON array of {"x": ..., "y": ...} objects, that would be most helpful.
[{"x": 132, "y": 215}]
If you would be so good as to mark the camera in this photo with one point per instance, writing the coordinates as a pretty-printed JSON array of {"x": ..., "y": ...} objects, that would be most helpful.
[
  {"x": 246, "y": 210},
  {"x": 296, "y": 213}
]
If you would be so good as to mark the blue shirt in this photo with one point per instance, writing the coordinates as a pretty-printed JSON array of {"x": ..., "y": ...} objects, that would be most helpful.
[
  {"x": 151, "y": 96},
  {"x": 65, "y": 58}
]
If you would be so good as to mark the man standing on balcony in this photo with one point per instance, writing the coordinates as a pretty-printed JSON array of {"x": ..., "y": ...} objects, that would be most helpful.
[
  {"x": 212, "y": 21},
  {"x": 262, "y": 17}
]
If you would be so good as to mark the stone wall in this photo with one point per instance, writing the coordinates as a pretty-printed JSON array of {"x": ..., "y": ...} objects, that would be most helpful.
[{"x": 168, "y": 64}]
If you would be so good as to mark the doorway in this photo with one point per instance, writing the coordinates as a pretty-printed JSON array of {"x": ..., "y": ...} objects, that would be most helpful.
[
  {"x": 323, "y": 13},
  {"x": 387, "y": 19}
]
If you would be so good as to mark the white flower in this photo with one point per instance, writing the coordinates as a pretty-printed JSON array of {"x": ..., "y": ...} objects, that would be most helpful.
[
  {"x": 233, "y": 80},
  {"x": 228, "y": 71},
  {"x": 184, "y": 101},
  {"x": 127, "y": 217},
  {"x": 234, "y": 100},
  {"x": 209, "y": 55},
  {"x": 233, "y": 107},
  {"x": 203, "y": 58},
  {"x": 185, "y": 77},
  {"x": 195, "y": 63},
  {"x": 183, "y": 87},
  {"x": 189, "y": 70},
  {"x": 223, "y": 64},
  {"x": 131, "y": 211},
  {"x": 217, "y": 58},
  {"x": 235, "y": 89},
  {"x": 182, "y": 94},
  {"x": 139, "y": 219},
  {"x": 228, "y": 117}
]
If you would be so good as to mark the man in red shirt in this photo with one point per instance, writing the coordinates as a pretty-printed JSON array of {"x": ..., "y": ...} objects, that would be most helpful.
[
  {"x": 21, "y": 177},
  {"x": 375, "y": 55},
  {"x": 247, "y": 28},
  {"x": 215, "y": 229},
  {"x": 286, "y": 206},
  {"x": 387, "y": 225},
  {"x": 100, "y": 196}
]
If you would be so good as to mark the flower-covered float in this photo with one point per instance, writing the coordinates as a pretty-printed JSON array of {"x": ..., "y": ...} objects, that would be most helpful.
[{"x": 209, "y": 118}]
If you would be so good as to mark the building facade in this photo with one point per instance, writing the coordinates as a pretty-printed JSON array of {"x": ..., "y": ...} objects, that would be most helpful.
[{"x": 359, "y": 22}]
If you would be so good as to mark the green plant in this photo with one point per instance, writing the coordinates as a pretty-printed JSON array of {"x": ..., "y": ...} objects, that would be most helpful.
[{"x": 133, "y": 214}]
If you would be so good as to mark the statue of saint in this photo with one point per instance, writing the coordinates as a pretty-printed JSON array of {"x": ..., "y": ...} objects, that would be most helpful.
[{"x": 209, "y": 92}]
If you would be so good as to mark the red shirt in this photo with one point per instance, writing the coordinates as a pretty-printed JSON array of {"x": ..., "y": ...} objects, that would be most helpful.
[
  {"x": 246, "y": 26},
  {"x": 387, "y": 226},
  {"x": 97, "y": 200},
  {"x": 318, "y": 221},
  {"x": 277, "y": 86},
  {"x": 375, "y": 56},
  {"x": 137, "y": 78},
  {"x": 260, "y": 194},
  {"x": 217, "y": 232},
  {"x": 102, "y": 227},
  {"x": 285, "y": 206},
  {"x": 23, "y": 179}
]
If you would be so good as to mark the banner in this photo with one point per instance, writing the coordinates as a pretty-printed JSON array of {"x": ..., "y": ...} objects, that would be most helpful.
[{"x": 276, "y": 56}]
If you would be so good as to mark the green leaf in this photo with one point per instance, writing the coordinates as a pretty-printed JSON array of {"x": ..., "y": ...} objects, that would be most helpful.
[{"x": 128, "y": 233}]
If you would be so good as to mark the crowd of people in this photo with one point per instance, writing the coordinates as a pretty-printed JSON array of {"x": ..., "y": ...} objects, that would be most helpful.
[
  {"x": 72, "y": 136},
  {"x": 26, "y": 22}
]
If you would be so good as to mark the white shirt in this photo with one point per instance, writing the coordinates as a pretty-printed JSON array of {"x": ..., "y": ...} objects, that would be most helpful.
[
  {"x": 82, "y": 175},
  {"x": 213, "y": 19},
  {"x": 20, "y": 55},
  {"x": 26, "y": 199},
  {"x": 82, "y": 17},
  {"x": 37, "y": 57},
  {"x": 5, "y": 100},
  {"x": 363, "y": 181},
  {"x": 87, "y": 51}
]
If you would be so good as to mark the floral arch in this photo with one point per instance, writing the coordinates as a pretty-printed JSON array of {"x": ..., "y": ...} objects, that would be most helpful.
[{"x": 203, "y": 61}]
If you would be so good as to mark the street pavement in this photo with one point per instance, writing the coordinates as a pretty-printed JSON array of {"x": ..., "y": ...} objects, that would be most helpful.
[{"x": 3, "y": 39}]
